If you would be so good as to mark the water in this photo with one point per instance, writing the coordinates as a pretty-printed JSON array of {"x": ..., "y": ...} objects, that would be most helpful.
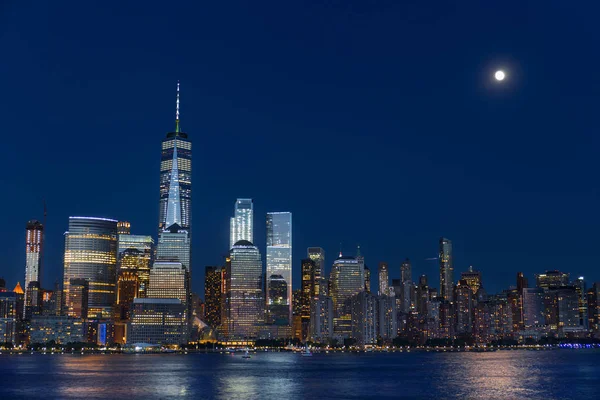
[{"x": 559, "y": 374}]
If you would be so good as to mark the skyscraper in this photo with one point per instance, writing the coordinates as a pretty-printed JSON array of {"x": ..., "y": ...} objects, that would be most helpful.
[
  {"x": 243, "y": 298},
  {"x": 407, "y": 285},
  {"x": 174, "y": 244},
  {"x": 169, "y": 280},
  {"x": 317, "y": 255},
  {"x": 213, "y": 290},
  {"x": 446, "y": 270},
  {"x": 241, "y": 224},
  {"x": 347, "y": 279},
  {"x": 175, "y": 204},
  {"x": 34, "y": 242},
  {"x": 384, "y": 279},
  {"x": 135, "y": 253},
  {"x": 91, "y": 254},
  {"x": 472, "y": 278},
  {"x": 279, "y": 264},
  {"x": 552, "y": 279}
]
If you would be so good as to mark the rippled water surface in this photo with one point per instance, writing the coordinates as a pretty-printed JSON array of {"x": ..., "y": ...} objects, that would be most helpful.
[{"x": 557, "y": 374}]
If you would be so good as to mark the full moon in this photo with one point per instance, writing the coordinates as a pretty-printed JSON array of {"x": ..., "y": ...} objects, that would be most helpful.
[{"x": 499, "y": 75}]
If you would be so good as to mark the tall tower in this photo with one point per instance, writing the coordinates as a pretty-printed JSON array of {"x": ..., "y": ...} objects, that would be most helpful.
[
  {"x": 175, "y": 205},
  {"x": 317, "y": 254},
  {"x": 446, "y": 270},
  {"x": 243, "y": 292},
  {"x": 91, "y": 255},
  {"x": 384, "y": 282},
  {"x": 279, "y": 264},
  {"x": 34, "y": 242},
  {"x": 407, "y": 286},
  {"x": 241, "y": 224}
]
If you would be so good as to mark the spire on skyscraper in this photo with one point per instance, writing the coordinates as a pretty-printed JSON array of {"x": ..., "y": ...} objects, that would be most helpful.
[{"x": 177, "y": 111}]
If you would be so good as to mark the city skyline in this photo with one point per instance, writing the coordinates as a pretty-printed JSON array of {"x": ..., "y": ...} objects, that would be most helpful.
[{"x": 529, "y": 191}]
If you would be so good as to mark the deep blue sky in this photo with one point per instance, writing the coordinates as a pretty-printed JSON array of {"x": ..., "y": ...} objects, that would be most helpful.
[{"x": 375, "y": 122}]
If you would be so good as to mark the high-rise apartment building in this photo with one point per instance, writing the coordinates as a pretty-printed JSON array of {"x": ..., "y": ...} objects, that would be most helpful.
[
  {"x": 175, "y": 204},
  {"x": 34, "y": 244},
  {"x": 244, "y": 303},
  {"x": 91, "y": 254},
  {"x": 384, "y": 279},
  {"x": 446, "y": 269},
  {"x": 242, "y": 223},
  {"x": 279, "y": 267}
]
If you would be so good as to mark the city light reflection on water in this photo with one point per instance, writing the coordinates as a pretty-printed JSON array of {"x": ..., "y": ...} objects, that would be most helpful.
[{"x": 493, "y": 375}]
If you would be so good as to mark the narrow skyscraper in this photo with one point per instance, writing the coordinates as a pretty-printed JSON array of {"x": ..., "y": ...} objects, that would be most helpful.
[
  {"x": 446, "y": 270},
  {"x": 317, "y": 254},
  {"x": 34, "y": 242},
  {"x": 384, "y": 282},
  {"x": 241, "y": 224},
  {"x": 279, "y": 265},
  {"x": 175, "y": 203}
]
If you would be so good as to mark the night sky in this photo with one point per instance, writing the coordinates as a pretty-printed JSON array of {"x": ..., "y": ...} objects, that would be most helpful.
[{"x": 375, "y": 122}]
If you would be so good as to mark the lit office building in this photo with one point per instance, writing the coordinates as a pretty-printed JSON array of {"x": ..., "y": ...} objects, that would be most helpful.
[
  {"x": 8, "y": 317},
  {"x": 384, "y": 279},
  {"x": 552, "y": 279},
  {"x": 77, "y": 302},
  {"x": 244, "y": 303},
  {"x": 174, "y": 244},
  {"x": 347, "y": 280},
  {"x": 472, "y": 279},
  {"x": 241, "y": 224},
  {"x": 34, "y": 243},
  {"x": 279, "y": 264},
  {"x": 91, "y": 254},
  {"x": 321, "y": 319},
  {"x": 133, "y": 261},
  {"x": 123, "y": 228},
  {"x": 213, "y": 290},
  {"x": 169, "y": 280},
  {"x": 446, "y": 269},
  {"x": 60, "y": 329},
  {"x": 277, "y": 292},
  {"x": 562, "y": 310},
  {"x": 158, "y": 321},
  {"x": 33, "y": 299},
  {"x": 128, "y": 288},
  {"x": 135, "y": 254},
  {"x": 175, "y": 204}
]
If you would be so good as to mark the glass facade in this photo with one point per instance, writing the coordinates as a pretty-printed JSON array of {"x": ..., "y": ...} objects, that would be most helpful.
[
  {"x": 213, "y": 290},
  {"x": 175, "y": 204},
  {"x": 243, "y": 298},
  {"x": 174, "y": 245},
  {"x": 91, "y": 254},
  {"x": 241, "y": 224},
  {"x": 347, "y": 280},
  {"x": 279, "y": 260},
  {"x": 446, "y": 269},
  {"x": 135, "y": 256}
]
